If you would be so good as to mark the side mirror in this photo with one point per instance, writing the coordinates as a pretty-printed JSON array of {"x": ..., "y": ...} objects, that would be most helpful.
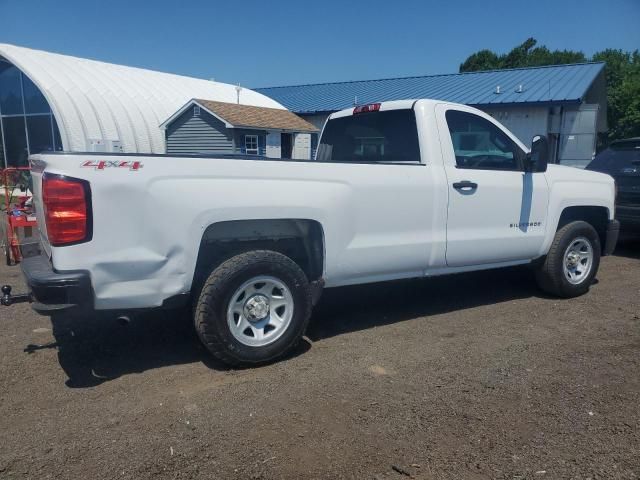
[{"x": 538, "y": 158}]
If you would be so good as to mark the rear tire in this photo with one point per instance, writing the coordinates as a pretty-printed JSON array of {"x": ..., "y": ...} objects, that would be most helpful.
[
  {"x": 253, "y": 308},
  {"x": 572, "y": 262}
]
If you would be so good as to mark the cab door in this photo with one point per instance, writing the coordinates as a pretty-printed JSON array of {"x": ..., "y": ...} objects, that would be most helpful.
[{"x": 497, "y": 211}]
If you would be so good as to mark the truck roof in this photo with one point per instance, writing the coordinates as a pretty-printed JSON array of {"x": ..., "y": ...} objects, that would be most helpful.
[{"x": 391, "y": 105}]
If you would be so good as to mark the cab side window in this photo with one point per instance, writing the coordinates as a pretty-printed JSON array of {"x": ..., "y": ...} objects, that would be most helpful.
[{"x": 479, "y": 144}]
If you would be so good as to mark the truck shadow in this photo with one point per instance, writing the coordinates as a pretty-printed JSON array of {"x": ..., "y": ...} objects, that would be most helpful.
[
  {"x": 359, "y": 307},
  {"x": 96, "y": 350},
  {"x": 628, "y": 246}
]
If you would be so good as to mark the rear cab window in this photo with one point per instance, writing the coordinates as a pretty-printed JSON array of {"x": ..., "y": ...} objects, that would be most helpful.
[{"x": 387, "y": 136}]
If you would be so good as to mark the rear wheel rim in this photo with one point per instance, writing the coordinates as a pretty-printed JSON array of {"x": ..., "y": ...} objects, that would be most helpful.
[
  {"x": 260, "y": 311},
  {"x": 578, "y": 260}
]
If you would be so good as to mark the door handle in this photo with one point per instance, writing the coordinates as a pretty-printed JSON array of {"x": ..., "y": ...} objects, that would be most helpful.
[{"x": 465, "y": 185}]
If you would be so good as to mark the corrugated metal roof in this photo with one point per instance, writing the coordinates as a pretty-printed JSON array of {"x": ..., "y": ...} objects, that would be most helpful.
[{"x": 550, "y": 84}]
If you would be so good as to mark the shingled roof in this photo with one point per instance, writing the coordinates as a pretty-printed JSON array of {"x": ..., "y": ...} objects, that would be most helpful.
[{"x": 249, "y": 116}]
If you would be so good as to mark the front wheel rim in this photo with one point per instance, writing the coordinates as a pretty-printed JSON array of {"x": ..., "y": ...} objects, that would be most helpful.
[
  {"x": 577, "y": 261},
  {"x": 260, "y": 311}
]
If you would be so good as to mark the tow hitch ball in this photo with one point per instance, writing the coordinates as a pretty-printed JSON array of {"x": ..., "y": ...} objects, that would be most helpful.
[{"x": 8, "y": 299}]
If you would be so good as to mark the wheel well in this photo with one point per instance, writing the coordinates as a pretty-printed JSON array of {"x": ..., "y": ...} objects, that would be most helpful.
[
  {"x": 596, "y": 216},
  {"x": 300, "y": 239}
]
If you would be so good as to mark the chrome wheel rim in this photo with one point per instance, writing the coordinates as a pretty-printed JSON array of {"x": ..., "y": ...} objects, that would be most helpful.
[
  {"x": 578, "y": 260},
  {"x": 260, "y": 311}
]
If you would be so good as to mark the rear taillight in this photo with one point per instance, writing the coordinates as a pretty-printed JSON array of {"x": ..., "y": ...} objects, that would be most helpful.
[{"x": 67, "y": 210}]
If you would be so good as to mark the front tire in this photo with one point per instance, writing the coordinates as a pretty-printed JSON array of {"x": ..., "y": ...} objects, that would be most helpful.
[
  {"x": 572, "y": 262},
  {"x": 253, "y": 308}
]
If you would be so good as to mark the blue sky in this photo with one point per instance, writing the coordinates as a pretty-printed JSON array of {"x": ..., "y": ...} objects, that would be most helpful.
[{"x": 262, "y": 43}]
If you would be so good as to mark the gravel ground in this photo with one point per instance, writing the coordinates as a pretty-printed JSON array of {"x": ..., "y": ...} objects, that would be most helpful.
[{"x": 477, "y": 376}]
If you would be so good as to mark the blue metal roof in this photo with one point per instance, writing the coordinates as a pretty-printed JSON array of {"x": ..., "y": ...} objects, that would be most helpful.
[{"x": 550, "y": 84}]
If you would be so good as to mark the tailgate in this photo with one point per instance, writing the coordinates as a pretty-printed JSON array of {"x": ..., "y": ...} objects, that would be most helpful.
[{"x": 37, "y": 170}]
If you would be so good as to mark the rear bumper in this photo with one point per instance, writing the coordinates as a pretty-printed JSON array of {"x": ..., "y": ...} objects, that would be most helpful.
[
  {"x": 53, "y": 291},
  {"x": 611, "y": 239}
]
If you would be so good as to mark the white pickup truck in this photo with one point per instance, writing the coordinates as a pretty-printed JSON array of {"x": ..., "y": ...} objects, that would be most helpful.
[{"x": 398, "y": 189}]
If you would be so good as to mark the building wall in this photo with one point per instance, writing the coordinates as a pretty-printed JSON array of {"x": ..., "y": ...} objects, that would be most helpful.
[
  {"x": 571, "y": 129},
  {"x": 597, "y": 95},
  {"x": 523, "y": 121},
  {"x": 302, "y": 146},
  {"x": 578, "y": 135},
  {"x": 317, "y": 120},
  {"x": 191, "y": 134}
]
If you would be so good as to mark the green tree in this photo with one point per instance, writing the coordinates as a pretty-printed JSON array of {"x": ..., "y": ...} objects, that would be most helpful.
[
  {"x": 482, "y": 60},
  {"x": 524, "y": 55},
  {"x": 519, "y": 56},
  {"x": 623, "y": 92},
  {"x": 622, "y": 74}
]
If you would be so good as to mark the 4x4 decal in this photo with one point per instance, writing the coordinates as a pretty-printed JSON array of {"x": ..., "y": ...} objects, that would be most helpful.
[{"x": 102, "y": 164}]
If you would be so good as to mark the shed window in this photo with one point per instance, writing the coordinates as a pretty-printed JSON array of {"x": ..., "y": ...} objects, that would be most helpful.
[
  {"x": 251, "y": 144},
  {"x": 196, "y": 111}
]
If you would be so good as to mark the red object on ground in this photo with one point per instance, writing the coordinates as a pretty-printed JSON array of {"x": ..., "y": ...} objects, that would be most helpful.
[{"x": 24, "y": 219}]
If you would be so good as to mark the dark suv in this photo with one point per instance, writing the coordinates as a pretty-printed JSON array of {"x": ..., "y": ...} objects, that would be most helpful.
[{"x": 622, "y": 161}]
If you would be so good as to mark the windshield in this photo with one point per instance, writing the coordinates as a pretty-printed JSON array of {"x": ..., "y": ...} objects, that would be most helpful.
[
  {"x": 388, "y": 136},
  {"x": 613, "y": 159}
]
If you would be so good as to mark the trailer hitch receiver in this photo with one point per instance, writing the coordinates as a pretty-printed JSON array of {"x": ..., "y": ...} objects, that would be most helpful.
[{"x": 8, "y": 299}]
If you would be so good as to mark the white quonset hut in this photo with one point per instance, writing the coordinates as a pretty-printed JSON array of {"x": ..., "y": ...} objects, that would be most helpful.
[{"x": 58, "y": 102}]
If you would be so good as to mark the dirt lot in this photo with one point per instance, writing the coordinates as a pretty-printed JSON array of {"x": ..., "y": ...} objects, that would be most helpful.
[{"x": 468, "y": 377}]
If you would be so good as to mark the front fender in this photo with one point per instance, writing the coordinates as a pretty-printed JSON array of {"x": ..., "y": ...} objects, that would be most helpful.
[{"x": 589, "y": 189}]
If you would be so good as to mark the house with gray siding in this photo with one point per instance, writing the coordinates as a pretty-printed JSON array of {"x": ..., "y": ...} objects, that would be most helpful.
[{"x": 206, "y": 127}]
